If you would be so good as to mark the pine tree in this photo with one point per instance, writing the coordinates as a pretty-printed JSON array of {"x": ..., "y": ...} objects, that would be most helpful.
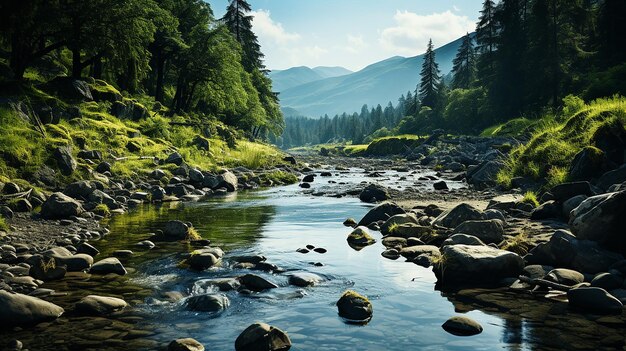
[
  {"x": 486, "y": 41},
  {"x": 464, "y": 65},
  {"x": 239, "y": 22},
  {"x": 430, "y": 78}
]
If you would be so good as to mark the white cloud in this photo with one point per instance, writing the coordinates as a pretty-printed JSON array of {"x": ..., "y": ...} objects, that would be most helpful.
[
  {"x": 355, "y": 43},
  {"x": 269, "y": 31},
  {"x": 411, "y": 32},
  {"x": 456, "y": 8}
]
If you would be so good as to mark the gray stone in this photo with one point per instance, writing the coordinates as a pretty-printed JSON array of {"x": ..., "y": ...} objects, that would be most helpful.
[
  {"x": 262, "y": 337},
  {"x": 616, "y": 176},
  {"x": 175, "y": 158},
  {"x": 360, "y": 236},
  {"x": 65, "y": 161},
  {"x": 108, "y": 265},
  {"x": 95, "y": 305},
  {"x": 602, "y": 219},
  {"x": 488, "y": 231},
  {"x": 23, "y": 310},
  {"x": 374, "y": 193},
  {"x": 462, "y": 326},
  {"x": 60, "y": 206},
  {"x": 256, "y": 283},
  {"x": 354, "y": 307},
  {"x": 565, "y": 276},
  {"x": 608, "y": 281},
  {"x": 411, "y": 252},
  {"x": 463, "y": 239},
  {"x": 570, "y": 204},
  {"x": 208, "y": 303},
  {"x": 566, "y": 191},
  {"x": 176, "y": 230},
  {"x": 465, "y": 264},
  {"x": 397, "y": 220},
  {"x": 227, "y": 180},
  {"x": 187, "y": 344},
  {"x": 381, "y": 212},
  {"x": 595, "y": 300},
  {"x": 202, "y": 260},
  {"x": 304, "y": 279},
  {"x": 459, "y": 214}
]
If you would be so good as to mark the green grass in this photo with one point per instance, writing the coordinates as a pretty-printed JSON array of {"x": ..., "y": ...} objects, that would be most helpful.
[
  {"x": 102, "y": 210},
  {"x": 530, "y": 197},
  {"x": 520, "y": 244},
  {"x": 512, "y": 127},
  {"x": 3, "y": 224},
  {"x": 555, "y": 142}
]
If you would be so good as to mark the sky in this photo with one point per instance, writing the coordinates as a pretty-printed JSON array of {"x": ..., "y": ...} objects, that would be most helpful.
[{"x": 353, "y": 33}]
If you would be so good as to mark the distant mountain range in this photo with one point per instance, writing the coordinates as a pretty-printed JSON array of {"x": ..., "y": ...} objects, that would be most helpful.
[
  {"x": 292, "y": 77},
  {"x": 303, "y": 94}
]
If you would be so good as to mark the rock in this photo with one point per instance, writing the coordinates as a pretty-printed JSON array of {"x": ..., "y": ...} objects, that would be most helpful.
[
  {"x": 602, "y": 219},
  {"x": 90, "y": 155},
  {"x": 462, "y": 326},
  {"x": 465, "y": 264},
  {"x": 485, "y": 174},
  {"x": 411, "y": 230},
  {"x": 463, "y": 239},
  {"x": 227, "y": 180},
  {"x": 88, "y": 249},
  {"x": 133, "y": 146},
  {"x": 374, "y": 193},
  {"x": 355, "y": 307},
  {"x": 14, "y": 345},
  {"x": 176, "y": 230},
  {"x": 68, "y": 88},
  {"x": 254, "y": 259},
  {"x": 187, "y": 344},
  {"x": 608, "y": 281},
  {"x": 208, "y": 303},
  {"x": 95, "y": 305},
  {"x": 174, "y": 158},
  {"x": 22, "y": 205},
  {"x": 616, "y": 176},
  {"x": 100, "y": 197},
  {"x": 391, "y": 254},
  {"x": 80, "y": 190},
  {"x": 103, "y": 167},
  {"x": 397, "y": 220},
  {"x": 488, "y": 231},
  {"x": 547, "y": 210},
  {"x": 60, "y": 206},
  {"x": 350, "y": 222},
  {"x": 565, "y": 276},
  {"x": 146, "y": 244},
  {"x": 65, "y": 161},
  {"x": 587, "y": 164},
  {"x": 564, "y": 250},
  {"x": 412, "y": 252},
  {"x": 23, "y": 310},
  {"x": 459, "y": 214},
  {"x": 157, "y": 174},
  {"x": 196, "y": 176},
  {"x": 304, "y": 279},
  {"x": 440, "y": 185},
  {"x": 594, "y": 300},
  {"x": 504, "y": 202},
  {"x": 566, "y": 191},
  {"x": 570, "y": 204},
  {"x": 256, "y": 283},
  {"x": 108, "y": 265},
  {"x": 122, "y": 253},
  {"x": 381, "y": 212},
  {"x": 309, "y": 178},
  {"x": 262, "y": 337},
  {"x": 290, "y": 159},
  {"x": 202, "y": 260},
  {"x": 46, "y": 269},
  {"x": 202, "y": 143},
  {"x": 360, "y": 237},
  {"x": 536, "y": 271}
]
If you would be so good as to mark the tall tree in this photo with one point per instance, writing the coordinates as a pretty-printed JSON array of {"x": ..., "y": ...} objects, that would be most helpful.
[
  {"x": 464, "y": 65},
  {"x": 611, "y": 27},
  {"x": 486, "y": 41},
  {"x": 239, "y": 22},
  {"x": 429, "y": 78}
]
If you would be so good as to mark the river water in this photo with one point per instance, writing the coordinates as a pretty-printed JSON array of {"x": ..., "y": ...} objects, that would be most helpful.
[{"x": 408, "y": 311}]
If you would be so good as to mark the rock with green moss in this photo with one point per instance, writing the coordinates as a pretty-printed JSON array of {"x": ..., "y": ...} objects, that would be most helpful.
[
  {"x": 360, "y": 237},
  {"x": 355, "y": 307},
  {"x": 589, "y": 163},
  {"x": 262, "y": 337}
]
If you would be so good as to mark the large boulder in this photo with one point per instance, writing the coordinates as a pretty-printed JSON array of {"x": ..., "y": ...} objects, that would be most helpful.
[
  {"x": 374, "y": 193},
  {"x": 566, "y": 191},
  {"x": 360, "y": 236},
  {"x": 602, "y": 219},
  {"x": 60, "y": 206},
  {"x": 616, "y": 176},
  {"x": 474, "y": 265},
  {"x": 227, "y": 180},
  {"x": 304, "y": 279},
  {"x": 397, "y": 220},
  {"x": 201, "y": 260},
  {"x": 594, "y": 300},
  {"x": 175, "y": 158},
  {"x": 24, "y": 310},
  {"x": 412, "y": 252},
  {"x": 108, "y": 265},
  {"x": 463, "y": 239},
  {"x": 354, "y": 307},
  {"x": 176, "y": 230},
  {"x": 69, "y": 89},
  {"x": 80, "y": 190},
  {"x": 381, "y": 212},
  {"x": 459, "y": 214},
  {"x": 65, "y": 161},
  {"x": 488, "y": 231},
  {"x": 95, "y": 305},
  {"x": 256, "y": 283},
  {"x": 587, "y": 164},
  {"x": 485, "y": 174},
  {"x": 262, "y": 337},
  {"x": 566, "y": 251}
]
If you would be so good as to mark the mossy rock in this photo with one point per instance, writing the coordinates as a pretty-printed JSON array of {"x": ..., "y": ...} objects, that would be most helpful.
[
  {"x": 391, "y": 146},
  {"x": 354, "y": 307},
  {"x": 102, "y": 91},
  {"x": 590, "y": 162}
]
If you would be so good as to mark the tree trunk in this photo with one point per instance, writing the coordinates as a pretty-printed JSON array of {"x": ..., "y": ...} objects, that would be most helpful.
[
  {"x": 77, "y": 66},
  {"x": 160, "y": 66}
]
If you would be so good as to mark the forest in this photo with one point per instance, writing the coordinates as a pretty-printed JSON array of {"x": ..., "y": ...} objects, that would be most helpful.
[
  {"x": 171, "y": 52},
  {"x": 524, "y": 58}
]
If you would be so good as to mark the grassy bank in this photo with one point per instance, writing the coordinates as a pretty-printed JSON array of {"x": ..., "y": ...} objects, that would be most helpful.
[
  {"x": 130, "y": 144},
  {"x": 555, "y": 140}
]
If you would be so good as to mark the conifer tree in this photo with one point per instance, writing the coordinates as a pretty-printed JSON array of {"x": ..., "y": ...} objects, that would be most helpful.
[
  {"x": 486, "y": 41},
  {"x": 430, "y": 78},
  {"x": 239, "y": 22},
  {"x": 464, "y": 65}
]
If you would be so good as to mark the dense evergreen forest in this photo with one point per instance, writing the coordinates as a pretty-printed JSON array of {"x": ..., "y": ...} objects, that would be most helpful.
[
  {"x": 171, "y": 52},
  {"x": 527, "y": 56}
]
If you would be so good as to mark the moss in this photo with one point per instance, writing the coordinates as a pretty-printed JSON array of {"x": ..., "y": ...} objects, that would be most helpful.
[
  {"x": 102, "y": 210},
  {"x": 530, "y": 198},
  {"x": 3, "y": 224},
  {"x": 281, "y": 177},
  {"x": 393, "y": 145},
  {"x": 193, "y": 234},
  {"x": 351, "y": 294}
]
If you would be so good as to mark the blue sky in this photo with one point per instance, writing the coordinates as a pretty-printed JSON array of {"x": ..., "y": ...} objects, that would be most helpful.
[{"x": 353, "y": 33}]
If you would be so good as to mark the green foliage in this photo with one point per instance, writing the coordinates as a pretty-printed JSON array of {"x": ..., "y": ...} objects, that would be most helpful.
[
  {"x": 393, "y": 145},
  {"x": 3, "y": 224},
  {"x": 465, "y": 110},
  {"x": 102, "y": 210},
  {"x": 551, "y": 149},
  {"x": 513, "y": 127},
  {"x": 530, "y": 197},
  {"x": 280, "y": 177}
]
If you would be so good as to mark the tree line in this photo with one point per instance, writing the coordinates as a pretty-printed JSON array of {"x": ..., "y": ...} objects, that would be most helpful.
[
  {"x": 523, "y": 59},
  {"x": 175, "y": 51}
]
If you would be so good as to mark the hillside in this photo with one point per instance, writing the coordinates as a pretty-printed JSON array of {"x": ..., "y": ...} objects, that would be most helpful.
[
  {"x": 292, "y": 77},
  {"x": 378, "y": 83}
]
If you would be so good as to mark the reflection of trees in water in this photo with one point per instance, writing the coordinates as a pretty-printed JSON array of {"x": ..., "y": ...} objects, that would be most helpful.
[{"x": 513, "y": 332}]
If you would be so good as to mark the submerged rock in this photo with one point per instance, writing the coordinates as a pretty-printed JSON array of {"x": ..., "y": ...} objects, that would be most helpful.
[
  {"x": 256, "y": 283},
  {"x": 208, "y": 303},
  {"x": 95, "y": 305},
  {"x": 462, "y": 326},
  {"x": 187, "y": 344},
  {"x": 262, "y": 337},
  {"x": 304, "y": 279},
  {"x": 19, "y": 310}
]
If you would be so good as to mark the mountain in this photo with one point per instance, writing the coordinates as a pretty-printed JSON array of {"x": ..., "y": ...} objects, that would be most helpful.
[
  {"x": 377, "y": 83},
  {"x": 285, "y": 79}
]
